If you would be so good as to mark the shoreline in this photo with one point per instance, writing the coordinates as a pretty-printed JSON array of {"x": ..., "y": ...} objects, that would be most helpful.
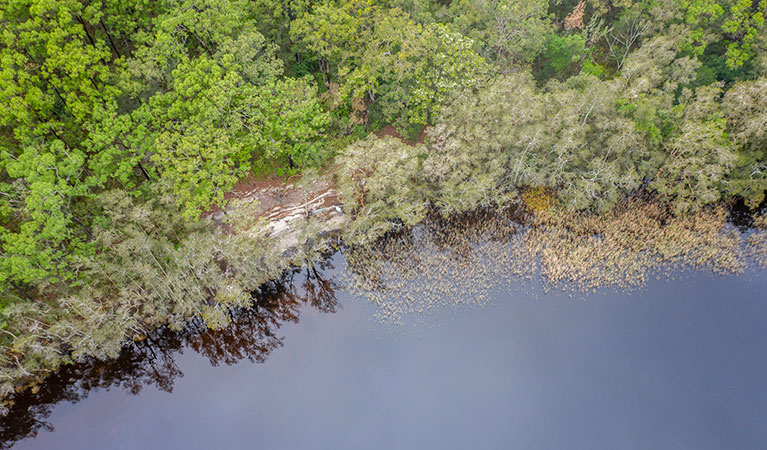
[{"x": 301, "y": 240}]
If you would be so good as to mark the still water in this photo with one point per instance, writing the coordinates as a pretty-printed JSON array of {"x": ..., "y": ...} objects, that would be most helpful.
[{"x": 677, "y": 364}]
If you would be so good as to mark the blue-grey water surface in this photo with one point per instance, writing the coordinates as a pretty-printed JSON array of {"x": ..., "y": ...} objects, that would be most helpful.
[{"x": 678, "y": 364}]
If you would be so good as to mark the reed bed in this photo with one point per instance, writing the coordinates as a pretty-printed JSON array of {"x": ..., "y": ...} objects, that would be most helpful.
[{"x": 460, "y": 261}]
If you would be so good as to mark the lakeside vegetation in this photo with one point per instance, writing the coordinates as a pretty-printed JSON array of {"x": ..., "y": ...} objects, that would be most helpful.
[
  {"x": 122, "y": 122},
  {"x": 466, "y": 259},
  {"x": 253, "y": 334}
]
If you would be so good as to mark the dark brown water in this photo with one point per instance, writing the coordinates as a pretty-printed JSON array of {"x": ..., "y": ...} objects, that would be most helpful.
[{"x": 680, "y": 364}]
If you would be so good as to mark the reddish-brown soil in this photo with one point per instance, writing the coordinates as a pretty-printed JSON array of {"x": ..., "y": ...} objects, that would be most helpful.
[
  {"x": 389, "y": 130},
  {"x": 277, "y": 197}
]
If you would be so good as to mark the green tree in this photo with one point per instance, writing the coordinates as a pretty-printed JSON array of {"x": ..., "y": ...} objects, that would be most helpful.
[
  {"x": 293, "y": 122},
  {"x": 560, "y": 53},
  {"x": 745, "y": 107},
  {"x": 443, "y": 62},
  {"x": 699, "y": 154},
  {"x": 511, "y": 33},
  {"x": 55, "y": 73},
  {"x": 44, "y": 234},
  {"x": 741, "y": 27},
  {"x": 274, "y": 19},
  {"x": 736, "y": 22},
  {"x": 380, "y": 56},
  {"x": 216, "y": 123}
]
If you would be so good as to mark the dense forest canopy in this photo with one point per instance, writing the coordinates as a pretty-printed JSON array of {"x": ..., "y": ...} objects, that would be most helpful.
[{"x": 122, "y": 121}]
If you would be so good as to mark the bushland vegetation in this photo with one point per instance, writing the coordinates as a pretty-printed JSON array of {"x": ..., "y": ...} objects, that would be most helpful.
[
  {"x": 121, "y": 122},
  {"x": 253, "y": 333}
]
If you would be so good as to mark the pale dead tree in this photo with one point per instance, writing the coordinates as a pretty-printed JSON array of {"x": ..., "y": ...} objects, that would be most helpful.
[
  {"x": 621, "y": 42},
  {"x": 574, "y": 20}
]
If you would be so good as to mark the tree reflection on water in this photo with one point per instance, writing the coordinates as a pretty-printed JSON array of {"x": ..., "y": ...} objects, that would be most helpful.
[{"x": 252, "y": 334}]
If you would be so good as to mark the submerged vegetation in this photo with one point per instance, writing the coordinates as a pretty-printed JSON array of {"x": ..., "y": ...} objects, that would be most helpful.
[
  {"x": 461, "y": 259},
  {"x": 624, "y": 128}
]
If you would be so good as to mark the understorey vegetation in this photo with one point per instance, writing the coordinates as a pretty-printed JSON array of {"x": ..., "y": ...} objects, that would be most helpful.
[{"x": 124, "y": 122}]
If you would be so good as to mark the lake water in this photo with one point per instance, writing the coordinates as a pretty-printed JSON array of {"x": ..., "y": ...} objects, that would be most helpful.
[{"x": 677, "y": 364}]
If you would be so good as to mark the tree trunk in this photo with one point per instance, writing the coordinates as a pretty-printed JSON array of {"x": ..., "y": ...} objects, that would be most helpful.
[
  {"x": 109, "y": 37},
  {"x": 143, "y": 170}
]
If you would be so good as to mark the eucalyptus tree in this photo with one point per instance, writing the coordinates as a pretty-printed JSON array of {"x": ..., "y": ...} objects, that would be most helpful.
[
  {"x": 745, "y": 108},
  {"x": 699, "y": 153},
  {"x": 509, "y": 32},
  {"x": 487, "y": 143},
  {"x": 443, "y": 62},
  {"x": 382, "y": 180},
  {"x": 192, "y": 28},
  {"x": 380, "y": 56},
  {"x": 44, "y": 232},
  {"x": 335, "y": 33},
  {"x": 274, "y": 19}
]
